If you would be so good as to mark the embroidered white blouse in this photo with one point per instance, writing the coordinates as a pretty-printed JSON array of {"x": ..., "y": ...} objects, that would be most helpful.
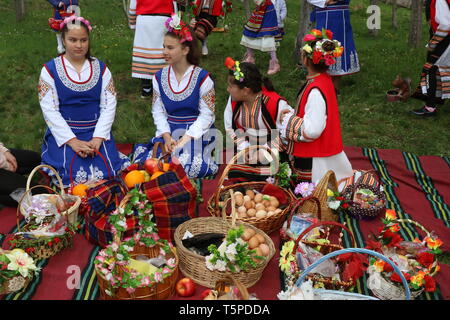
[
  {"x": 4, "y": 164},
  {"x": 49, "y": 101},
  {"x": 206, "y": 117}
]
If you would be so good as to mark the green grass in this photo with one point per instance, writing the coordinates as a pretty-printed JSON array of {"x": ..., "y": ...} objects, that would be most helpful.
[{"x": 367, "y": 118}]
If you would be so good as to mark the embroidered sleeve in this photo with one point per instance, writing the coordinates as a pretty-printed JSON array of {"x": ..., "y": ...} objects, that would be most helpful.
[
  {"x": 108, "y": 104},
  {"x": 43, "y": 88},
  {"x": 159, "y": 112},
  {"x": 210, "y": 99},
  {"x": 293, "y": 130}
]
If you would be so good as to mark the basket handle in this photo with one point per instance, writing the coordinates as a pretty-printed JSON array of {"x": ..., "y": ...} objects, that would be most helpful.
[
  {"x": 23, "y": 197},
  {"x": 122, "y": 204},
  {"x": 323, "y": 223},
  {"x": 360, "y": 179},
  {"x": 357, "y": 250},
  {"x": 58, "y": 177},
  {"x": 155, "y": 148},
  {"x": 242, "y": 289},
  {"x": 300, "y": 202},
  {"x": 97, "y": 153},
  {"x": 232, "y": 162}
]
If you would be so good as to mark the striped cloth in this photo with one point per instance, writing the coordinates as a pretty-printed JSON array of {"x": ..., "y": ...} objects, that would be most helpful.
[{"x": 148, "y": 46}]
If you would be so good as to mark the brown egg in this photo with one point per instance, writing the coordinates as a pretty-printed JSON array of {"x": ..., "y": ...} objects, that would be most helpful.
[
  {"x": 250, "y": 193},
  {"x": 242, "y": 215},
  {"x": 251, "y": 212},
  {"x": 239, "y": 200},
  {"x": 261, "y": 214},
  {"x": 259, "y": 206},
  {"x": 265, "y": 250},
  {"x": 258, "y": 197},
  {"x": 271, "y": 208},
  {"x": 241, "y": 210},
  {"x": 253, "y": 242},
  {"x": 248, "y": 204},
  {"x": 266, "y": 203},
  {"x": 260, "y": 238},
  {"x": 274, "y": 202},
  {"x": 248, "y": 233},
  {"x": 247, "y": 198},
  {"x": 259, "y": 251}
]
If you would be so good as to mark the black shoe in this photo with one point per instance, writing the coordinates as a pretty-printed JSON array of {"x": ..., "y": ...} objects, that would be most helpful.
[
  {"x": 423, "y": 112},
  {"x": 146, "y": 93}
]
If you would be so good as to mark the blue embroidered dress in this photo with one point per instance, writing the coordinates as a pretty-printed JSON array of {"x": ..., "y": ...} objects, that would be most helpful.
[
  {"x": 187, "y": 111},
  {"x": 336, "y": 18},
  {"x": 79, "y": 105}
]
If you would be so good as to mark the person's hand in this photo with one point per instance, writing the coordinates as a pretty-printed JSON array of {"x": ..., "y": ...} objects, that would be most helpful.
[
  {"x": 12, "y": 162},
  {"x": 169, "y": 142},
  {"x": 184, "y": 139},
  {"x": 82, "y": 148},
  {"x": 283, "y": 114},
  {"x": 330, "y": 2},
  {"x": 96, "y": 143}
]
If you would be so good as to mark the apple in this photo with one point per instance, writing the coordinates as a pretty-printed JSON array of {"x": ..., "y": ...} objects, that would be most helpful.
[
  {"x": 205, "y": 293},
  {"x": 185, "y": 287},
  {"x": 151, "y": 166}
]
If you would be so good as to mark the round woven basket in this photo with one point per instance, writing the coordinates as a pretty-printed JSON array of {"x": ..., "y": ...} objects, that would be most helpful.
[
  {"x": 156, "y": 291},
  {"x": 268, "y": 224},
  {"x": 72, "y": 212},
  {"x": 16, "y": 283},
  {"x": 386, "y": 289},
  {"x": 193, "y": 265}
]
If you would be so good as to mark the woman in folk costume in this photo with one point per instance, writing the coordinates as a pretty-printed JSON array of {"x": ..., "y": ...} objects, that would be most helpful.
[
  {"x": 147, "y": 18},
  {"x": 183, "y": 105},
  {"x": 206, "y": 13},
  {"x": 60, "y": 11},
  {"x": 252, "y": 116},
  {"x": 280, "y": 8},
  {"x": 334, "y": 15},
  {"x": 313, "y": 129},
  {"x": 78, "y": 101},
  {"x": 434, "y": 84},
  {"x": 260, "y": 32}
]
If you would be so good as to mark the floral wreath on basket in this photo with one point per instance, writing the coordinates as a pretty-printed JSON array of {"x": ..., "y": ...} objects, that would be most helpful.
[
  {"x": 118, "y": 254},
  {"x": 176, "y": 25},
  {"x": 419, "y": 255},
  {"x": 234, "y": 66},
  {"x": 320, "y": 47}
]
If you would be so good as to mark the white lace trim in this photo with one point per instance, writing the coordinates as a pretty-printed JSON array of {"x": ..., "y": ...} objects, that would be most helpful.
[
  {"x": 337, "y": 69},
  {"x": 186, "y": 93},
  {"x": 96, "y": 72}
]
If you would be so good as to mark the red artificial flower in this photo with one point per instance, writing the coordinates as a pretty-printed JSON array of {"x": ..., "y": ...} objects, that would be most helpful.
[
  {"x": 3, "y": 266},
  {"x": 387, "y": 267},
  {"x": 56, "y": 240},
  {"x": 229, "y": 63},
  {"x": 430, "y": 283},
  {"x": 50, "y": 243},
  {"x": 329, "y": 34},
  {"x": 317, "y": 56},
  {"x": 340, "y": 198},
  {"x": 392, "y": 239},
  {"x": 373, "y": 245},
  {"x": 329, "y": 60},
  {"x": 396, "y": 278},
  {"x": 425, "y": 258},
  {"x": 345, "y": 205}
]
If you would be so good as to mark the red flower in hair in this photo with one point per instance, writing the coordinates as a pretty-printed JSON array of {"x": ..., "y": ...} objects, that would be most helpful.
[
  {"x": 425, "y": 258},
  {"x": 229, "y": 63},
  {"x": 329, "y": 34},
  {"x": 317, "y": 56}
]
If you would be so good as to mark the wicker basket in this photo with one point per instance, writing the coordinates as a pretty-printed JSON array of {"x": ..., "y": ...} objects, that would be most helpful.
[
  {"x": 72, "y": 212},
  {"x": 354, "y": 209},
  {"x": 16, "y": 283},
  {"x": 326, "y": 249},
  {"x": 219, "y": 292},
  {"x": 268, "y": 224},
  {"x": 384, "y": 288},
  {"x": 157, "y": 291},
  {"x": 341, "y": 295},
  {"x": 328, "y": 181},
  {"x": 193, "y": 265}
]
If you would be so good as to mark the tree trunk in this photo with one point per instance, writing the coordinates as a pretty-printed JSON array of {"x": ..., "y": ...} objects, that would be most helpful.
[
  {"x": 20, "y": 9},
  {"x": 304, "y": 25},
  {"x": 415, "y": 30},
  {"x": 394, "y": 14},
  {"x": 248, "y": 11},
  {"x": 374, "y": 31}
]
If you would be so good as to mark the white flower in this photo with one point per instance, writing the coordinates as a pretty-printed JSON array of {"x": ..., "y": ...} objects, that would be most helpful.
[
  {"x": 108, "y": 276},
  {"x": 149, "y": 229},
  {"x": 241, "y": 242},
  {"x": 121, "y": 210},
  {"x": 221, "y": 265},
  {"x": 128, "y": 248},
  {"x": 334, "y": 204},
  {"x": 114, "y": 246},
  {"x": 109, "y": 293},
  {"x": 119, "y": 256},
  {"x": 122, "y": 223},
  {"x": 175, "y": 22},
  {"x": 231, "y": 252},
  {"x": 20, "y": 261},
  {"x": 222, "y": 248},
  {"x": 209, "y": 265},
  {"x": 307, "y": 48}
]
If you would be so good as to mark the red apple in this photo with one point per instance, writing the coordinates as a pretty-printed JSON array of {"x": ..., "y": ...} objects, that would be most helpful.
[
  {"x": 205, "y": 293},
  {"x": 151, "y": 166},
  {"x": 185, "y": 287}
]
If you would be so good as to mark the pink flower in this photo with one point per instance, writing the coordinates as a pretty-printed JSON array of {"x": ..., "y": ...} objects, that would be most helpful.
[
  {"x": 155, "y": 236},
  {"x": 166, "y": 270},
  {"x": 100, "y": 258},
  {"x": 329, "y": 60},
  {"x": 171, "y": 262},
  {"x": 131, "y": 290},
  {"x": 309, "y": 37},
  {"x": 158, "y": 277},
  {"x": 145, "y": 281}
]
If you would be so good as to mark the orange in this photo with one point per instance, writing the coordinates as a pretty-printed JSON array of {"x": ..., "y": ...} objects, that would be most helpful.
[
  {"x": 156, "y": 175},
  {"x": 80, "y": 190},
  {"x": 134, "y": 177},
  {"x": 166, "y": 167}
]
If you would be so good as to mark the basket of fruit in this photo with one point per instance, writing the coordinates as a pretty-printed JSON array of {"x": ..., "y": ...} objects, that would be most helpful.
[{"x": 261, "y": 204}]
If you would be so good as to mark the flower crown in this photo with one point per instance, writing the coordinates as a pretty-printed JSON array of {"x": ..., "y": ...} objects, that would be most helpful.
[
  {"x": 75, "y": 18},
  {"x": 317, "y": 44},
  {"x": 176, "y": 25},
  {"x": 234, "y": 66}
]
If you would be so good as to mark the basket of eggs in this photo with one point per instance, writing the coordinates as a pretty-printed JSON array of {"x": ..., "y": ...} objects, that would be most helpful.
[{"x": 261, "y": 204}]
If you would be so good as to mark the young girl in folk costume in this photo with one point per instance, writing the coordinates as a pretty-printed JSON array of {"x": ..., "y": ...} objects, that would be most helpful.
[
  {"x": 147, "y": 17},
  {"x": 78, "y": 101},
  {"x": 260, "y": 32},
  {"x": 334, "y": 15},
  {"x": 206, "y": 14},
  {"x": 280, "y": 8},
  {"x": 313, "y": 129},
  {"x": 183, "y": 104},
  {"x": 252, "y": 114},
  {"x": 434, "y": 84},
  {"x": 60, "y": 8}
]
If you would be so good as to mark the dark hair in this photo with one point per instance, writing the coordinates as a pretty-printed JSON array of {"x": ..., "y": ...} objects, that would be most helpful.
[
  {"x": 65, "y": 29},
  {"x": 321, "y": 67},
  {"x": 252, "y": 78},
  {"x": 193, "y": 56}
]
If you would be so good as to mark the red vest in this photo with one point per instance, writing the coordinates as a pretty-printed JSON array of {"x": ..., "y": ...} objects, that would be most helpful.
[
  {"x": 330, "y": 141},
  {"x": 215, "y": 7},
  {"x": 154, "y": 7},
  {"x": 433, "y": 22}
]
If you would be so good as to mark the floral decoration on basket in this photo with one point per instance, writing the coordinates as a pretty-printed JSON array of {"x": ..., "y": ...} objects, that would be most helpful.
[
  {"x": 142, "y": 267},
  {"x": 17, "y": 269},
  {"x": 416, "y": 259}
]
